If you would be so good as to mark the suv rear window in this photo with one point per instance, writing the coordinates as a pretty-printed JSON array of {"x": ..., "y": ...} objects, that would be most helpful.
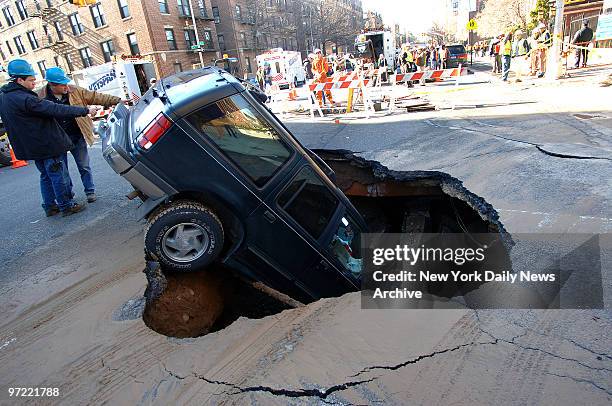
[
  {"x": 309, "y": 202},
  {"x": 456, "y": 49},
  {"x": 243, "y": 136}
]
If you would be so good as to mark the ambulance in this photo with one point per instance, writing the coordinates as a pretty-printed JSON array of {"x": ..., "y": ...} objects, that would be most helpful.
[{"x": 285, "y": 67}]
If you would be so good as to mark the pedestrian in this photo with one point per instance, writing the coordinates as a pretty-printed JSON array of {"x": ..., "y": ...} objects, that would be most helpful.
[
  {"x": 320, "y": 67},
  {"x": 544, "y": 42},
  {"x": 506, "y": 51},
  {"x": 582, "y": 39},
  {"x": 421, "y": 61},
  {"x": 308, "y": 66},
  {"x": 261, "y": 77},
  {"x": 493, "y": 52},
  {"x": 80, "y": 130},
  {"x": 382, "y": 66},
  {"x": 433, "y": 58},
  {"x": 534, "y": 55},
  {"x": 267, "y": 76},
  {"x": 35, "y": 134},
  {"x": 520, "y": 53},
  {"x": 444, "y": 54},
  {"x": 348, "y": 65}
]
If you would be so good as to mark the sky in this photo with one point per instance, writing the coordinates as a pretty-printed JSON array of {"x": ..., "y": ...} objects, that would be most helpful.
[{"x": 415, "y": 16}]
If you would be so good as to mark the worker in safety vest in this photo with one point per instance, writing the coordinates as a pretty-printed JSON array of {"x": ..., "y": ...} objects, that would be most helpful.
[
  {"x": 320, "y": 67},
  {"x": 506, "y": 51},
  {"x": 521, "y": 54},
  {"x": 544, "y": 42}
]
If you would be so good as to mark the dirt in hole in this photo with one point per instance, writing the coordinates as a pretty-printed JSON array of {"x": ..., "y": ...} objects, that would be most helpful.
[{"x": 197, "y": 303}]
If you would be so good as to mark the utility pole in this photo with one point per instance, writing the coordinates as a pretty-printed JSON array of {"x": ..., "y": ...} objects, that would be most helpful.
[
  {"x": 197, "y": 36},
  {"x": 553, "y": 71}
]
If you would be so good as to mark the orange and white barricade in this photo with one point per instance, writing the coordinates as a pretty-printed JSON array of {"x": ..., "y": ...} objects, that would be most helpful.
[
  {"x": 353, "y": 80},
  {"x": 454, "y": 73}
]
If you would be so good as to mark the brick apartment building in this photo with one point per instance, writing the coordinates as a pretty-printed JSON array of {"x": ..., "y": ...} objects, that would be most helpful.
[
  {"x": 246, "y": 28},
  {"x": 56, "y": 33}
]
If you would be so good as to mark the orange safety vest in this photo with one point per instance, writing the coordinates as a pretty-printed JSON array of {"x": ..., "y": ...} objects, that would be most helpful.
[{"x": 320, "y": 66}]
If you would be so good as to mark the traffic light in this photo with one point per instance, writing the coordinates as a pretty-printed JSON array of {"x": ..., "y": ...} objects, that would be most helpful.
[{"x": 83, "y": 3}]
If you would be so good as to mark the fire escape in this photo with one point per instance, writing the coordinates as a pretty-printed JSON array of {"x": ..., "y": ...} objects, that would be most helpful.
[{"x": 66, "y": 38}]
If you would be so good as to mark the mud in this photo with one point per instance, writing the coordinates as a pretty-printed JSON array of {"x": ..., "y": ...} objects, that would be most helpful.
[{"x": 195, "y": 304}]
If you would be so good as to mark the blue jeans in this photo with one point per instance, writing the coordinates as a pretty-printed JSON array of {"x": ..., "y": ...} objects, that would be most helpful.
[
  {"x": 506, "y": 71},
  {"x": 53, "y": 186},
  {"x": 81, "y": 158}
]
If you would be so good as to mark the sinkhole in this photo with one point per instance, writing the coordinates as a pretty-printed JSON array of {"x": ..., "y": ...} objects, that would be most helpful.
[{"x": 197, "y": 303}]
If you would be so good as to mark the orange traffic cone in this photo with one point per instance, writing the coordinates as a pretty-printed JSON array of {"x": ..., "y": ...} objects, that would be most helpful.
[
  {"x": 292, "y": 93},
  {"x": 16, "y": 163}
]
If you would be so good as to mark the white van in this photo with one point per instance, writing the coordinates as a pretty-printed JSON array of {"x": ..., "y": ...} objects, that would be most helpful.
[{"x": 285, "y": 66}]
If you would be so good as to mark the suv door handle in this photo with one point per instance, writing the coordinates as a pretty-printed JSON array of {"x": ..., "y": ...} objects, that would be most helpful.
[{"x": 269, "y": 216}]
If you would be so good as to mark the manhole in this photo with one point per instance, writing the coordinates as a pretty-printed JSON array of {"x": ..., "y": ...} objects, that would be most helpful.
[{"x": 197, "y": 303}]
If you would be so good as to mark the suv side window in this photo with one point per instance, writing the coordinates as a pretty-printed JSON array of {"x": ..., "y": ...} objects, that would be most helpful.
[
  {"x": 244, "y": 137},
  {"x": 309, "y": 201}
]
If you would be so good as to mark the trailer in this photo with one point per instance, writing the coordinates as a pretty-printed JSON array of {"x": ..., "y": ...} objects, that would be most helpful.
[{"x": 382, "y": 42}]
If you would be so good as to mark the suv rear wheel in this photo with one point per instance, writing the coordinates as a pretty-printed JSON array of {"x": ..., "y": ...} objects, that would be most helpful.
[{"x": 184, "y": 236}]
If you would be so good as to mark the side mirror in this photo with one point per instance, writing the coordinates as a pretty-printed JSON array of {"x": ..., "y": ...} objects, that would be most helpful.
[{"x": 258, "y": 94}]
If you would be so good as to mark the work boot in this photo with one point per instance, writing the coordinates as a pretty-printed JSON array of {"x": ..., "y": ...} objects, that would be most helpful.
[
  {"x": 91, "y": 197},
  {"x": 52, "y": 211},
  {"x": 75, "y": 208}
]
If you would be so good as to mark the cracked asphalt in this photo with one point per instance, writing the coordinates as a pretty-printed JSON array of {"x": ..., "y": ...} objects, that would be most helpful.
[{"x": 540, "y": 156}]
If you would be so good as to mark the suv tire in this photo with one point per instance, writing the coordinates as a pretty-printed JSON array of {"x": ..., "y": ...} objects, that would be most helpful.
[
  {"x": 5, "y": 152},
  {"x": 184, "y": 236}
]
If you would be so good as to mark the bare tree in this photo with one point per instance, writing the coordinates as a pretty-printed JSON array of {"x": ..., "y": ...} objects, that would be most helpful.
[
  {"x": 334, "y": 23},
  {"x": 502, "y": 15}
]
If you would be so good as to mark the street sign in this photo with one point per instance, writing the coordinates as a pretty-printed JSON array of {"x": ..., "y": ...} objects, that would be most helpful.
[
  {"x": 472, "y": 25},
  {"x": 202, "y": 43},
  {"x": 195, "y": 47}
]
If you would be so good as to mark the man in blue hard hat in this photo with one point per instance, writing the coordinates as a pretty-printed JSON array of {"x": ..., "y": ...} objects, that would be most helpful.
[
  {"x": 79, "y": 129},
  {"x": 35, "y": 134}
]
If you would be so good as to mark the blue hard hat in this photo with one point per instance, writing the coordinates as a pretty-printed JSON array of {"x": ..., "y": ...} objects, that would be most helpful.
[
  {"x": 20, "y": 67},
  {"x": 57, "y": 75}
]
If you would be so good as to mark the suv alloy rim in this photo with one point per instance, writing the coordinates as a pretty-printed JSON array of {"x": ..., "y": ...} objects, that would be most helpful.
[{"x": 185, "y": 242}]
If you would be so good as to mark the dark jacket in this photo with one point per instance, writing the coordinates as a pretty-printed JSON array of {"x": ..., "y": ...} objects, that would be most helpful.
[
  {"x": 584, "y": 36},
  {"x": 30, "y": 123},
  {"x": 308, "y": 68}
]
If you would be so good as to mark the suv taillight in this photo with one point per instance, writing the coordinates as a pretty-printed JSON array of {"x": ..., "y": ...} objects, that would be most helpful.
[{"x": 154, "y": 131}]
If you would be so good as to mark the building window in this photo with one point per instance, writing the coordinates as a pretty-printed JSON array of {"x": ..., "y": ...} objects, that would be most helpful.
[
  {"x": 190, "y": 38},
  {"x": 124, "y": 9},
  {"x": 170, "y": 39},
  {"x": 75, "y": 24},
  {"x": 42, "y": 67},
  {"x": 238, "y": 12},
  {"x": 8, "y": 45},
  {"x": 10, "y": 20},
  {"x": 19, "y": 44},
  {"x": 183, "y": 8},
  {"x": 248, "y": 64},
  {"x": 243, "y": 40},
  {"x": 32, "y": 39},
  {"x": 178, "y": 68},
  {"x": 208, "y": 40},
  {"x": 133, "y": 42},
  {"x": 285, "y": 43},
  {"x": 23, "y": 13},
  {"x": 2, "y": 54},
  {"x": 56, "y": 60},
  {"x": 69, "y": 62},
  {"x": 163, "y": 6},
  {"x": 49, "y": 3},
  {"x": 202, "y": 8},
  {"x": 58, "y": 28},
  {"x": 216, "y": 15},
  {"x": 108, "y": 50},
  {"x": 221, "y": 41},
  {"x": 86, "y": 57},
  {"x": 97, "y": 15}
]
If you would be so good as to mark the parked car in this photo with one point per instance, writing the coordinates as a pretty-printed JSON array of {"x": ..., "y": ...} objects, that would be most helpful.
[
  {"x": 457, "y": 56},
  {"x": 222, "y": 179}
]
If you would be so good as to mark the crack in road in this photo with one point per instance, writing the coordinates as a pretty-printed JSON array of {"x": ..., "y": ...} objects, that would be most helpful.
[
  {"x": 529, "y": 348},
  {"x": 608, "y": 391}
]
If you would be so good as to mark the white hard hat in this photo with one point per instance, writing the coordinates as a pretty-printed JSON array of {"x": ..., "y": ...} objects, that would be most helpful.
[{"x": 317, "y": 51}]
